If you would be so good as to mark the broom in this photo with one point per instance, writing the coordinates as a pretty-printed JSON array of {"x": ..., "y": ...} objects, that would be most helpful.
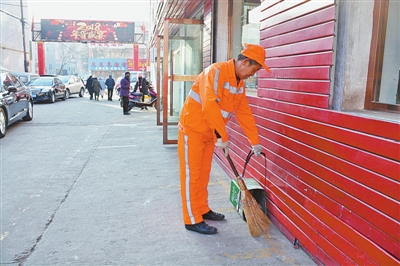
[{"x": 257, "y": 221}]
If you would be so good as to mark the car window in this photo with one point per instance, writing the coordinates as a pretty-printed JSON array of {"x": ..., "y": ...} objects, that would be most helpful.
[
  {"x": 41, "y": 82},
  {"x": 57, "y": 81},
  {"x": 24, "y": 79},
  {"x": 64, "y": 79}
]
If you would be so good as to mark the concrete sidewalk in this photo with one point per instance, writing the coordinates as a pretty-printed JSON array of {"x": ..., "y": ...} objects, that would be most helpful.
[{"x": 125, "y": 209}]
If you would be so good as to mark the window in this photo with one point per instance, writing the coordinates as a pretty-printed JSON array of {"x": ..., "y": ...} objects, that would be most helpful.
[{"x": 383, "y": 89}]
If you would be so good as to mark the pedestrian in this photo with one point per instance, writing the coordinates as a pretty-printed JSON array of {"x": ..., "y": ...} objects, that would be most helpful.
[
  {"x": 124, "y": 92},
  {"x": 89, "y": 86},
  {"x": 218, "y": 92},
  {"x": 143, "y": 87},
  {"x": 102, "y": 86},
  {"x": 110, "y": 83},
  {"x": 96, "y": 88}
]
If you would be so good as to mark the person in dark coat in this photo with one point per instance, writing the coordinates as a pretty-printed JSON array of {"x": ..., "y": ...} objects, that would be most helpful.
[
  {"x": 96, "y": 88},
  {"x": 110, "y": 83},
  {"x": 143, "y": 87},
  {"x": 124, "y": 92},
  {"x": 89, "y": 86}
]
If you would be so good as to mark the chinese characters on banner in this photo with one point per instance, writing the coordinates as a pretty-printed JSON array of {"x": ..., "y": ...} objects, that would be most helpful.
[{"x": 87, "y": 30}]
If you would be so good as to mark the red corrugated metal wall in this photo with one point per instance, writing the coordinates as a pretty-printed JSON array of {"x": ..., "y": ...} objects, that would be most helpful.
[{"x": 332, "y": 179}]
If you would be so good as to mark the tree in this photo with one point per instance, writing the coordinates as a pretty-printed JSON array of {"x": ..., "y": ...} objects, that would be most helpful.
[{"x": 67, "y": 53}]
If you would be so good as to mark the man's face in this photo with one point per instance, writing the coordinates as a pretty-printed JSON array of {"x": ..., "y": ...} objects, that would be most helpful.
[
  {"x": 246, "y": 70},
  {"x": 127, "y": 76}
]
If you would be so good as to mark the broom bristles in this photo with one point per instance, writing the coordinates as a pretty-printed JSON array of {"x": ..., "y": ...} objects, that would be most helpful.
[{"x": 257, "y": 221}]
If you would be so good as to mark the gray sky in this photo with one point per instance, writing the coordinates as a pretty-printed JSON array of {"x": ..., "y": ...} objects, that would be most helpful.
[{"x": 122, "y": 10}]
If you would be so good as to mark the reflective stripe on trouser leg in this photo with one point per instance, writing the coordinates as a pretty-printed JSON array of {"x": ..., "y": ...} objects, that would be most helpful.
[{"x": 194, "y": 174}]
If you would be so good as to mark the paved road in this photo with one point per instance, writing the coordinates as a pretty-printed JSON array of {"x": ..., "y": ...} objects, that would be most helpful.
[{"x": 81, "y": 184}]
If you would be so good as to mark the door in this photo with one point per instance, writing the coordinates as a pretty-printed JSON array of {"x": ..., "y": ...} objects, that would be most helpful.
[{"x": 182, "y": 62}]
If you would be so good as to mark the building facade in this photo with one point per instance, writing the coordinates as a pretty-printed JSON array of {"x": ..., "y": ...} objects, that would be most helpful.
[
  {"x": 12, "y": 37},
  {"x": 328, "y": 114}
]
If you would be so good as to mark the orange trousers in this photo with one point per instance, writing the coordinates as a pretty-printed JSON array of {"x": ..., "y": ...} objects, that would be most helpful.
[{"x": 195, "y": 156}]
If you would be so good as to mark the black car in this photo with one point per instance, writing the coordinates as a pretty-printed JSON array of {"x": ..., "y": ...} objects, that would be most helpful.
[
  {"x": 15, "y": 102},
  {"x": 47, "y": 89}
]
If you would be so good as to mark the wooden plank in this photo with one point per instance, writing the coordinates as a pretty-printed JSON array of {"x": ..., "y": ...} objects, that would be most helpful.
[
  {"x": 293, "y": 13},
  {"x": 310, "y": 73},
  {"x": 310, "y": 86},
  {"x": 383, "y": 147},
  {"x": 314, "y": 59},
  {"x": 311, "y": 33},
  {"x": 309, "y": 99},
  {"x": 312, "y": 46},
  {"x": 314, "y": 201},
  {"x": 314, "y": 18},
  {"x": 376, "y": 127}
]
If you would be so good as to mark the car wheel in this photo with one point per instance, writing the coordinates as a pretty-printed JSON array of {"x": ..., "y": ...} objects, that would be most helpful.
[
  {"x": 29, "y": 114},
  {"x": 67, "y": 94},
  {"x": 82, "y": 92},
  {"x": 3, "y": 123},
  {"x": 53, "y": 97},
  {"x": 64, "y": 96}
]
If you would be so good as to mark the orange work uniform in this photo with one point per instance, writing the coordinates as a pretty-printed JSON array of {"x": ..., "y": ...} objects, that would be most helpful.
[{"x": 215, "y": 96}]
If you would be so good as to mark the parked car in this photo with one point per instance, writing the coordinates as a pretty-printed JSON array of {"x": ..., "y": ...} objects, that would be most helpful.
[
  {"x": 15, "y": 102},
  {"x": 25, "y": 77},
  {"x": 73, "y": 85},
  {"x": 47, "y": 88}
]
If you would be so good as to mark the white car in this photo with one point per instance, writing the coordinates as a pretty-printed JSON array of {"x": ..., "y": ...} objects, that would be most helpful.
[{"x": 73, "y": 85}]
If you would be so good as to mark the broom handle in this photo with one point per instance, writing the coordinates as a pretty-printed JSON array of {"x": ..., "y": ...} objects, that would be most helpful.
[{"x": 232, "y": 166}]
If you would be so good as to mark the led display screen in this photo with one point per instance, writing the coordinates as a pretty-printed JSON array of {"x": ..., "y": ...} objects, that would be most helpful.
[{"x": 87, "y": 31}]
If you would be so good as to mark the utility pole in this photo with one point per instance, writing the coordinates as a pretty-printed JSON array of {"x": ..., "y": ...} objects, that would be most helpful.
[{"x": 23, "y": 36}]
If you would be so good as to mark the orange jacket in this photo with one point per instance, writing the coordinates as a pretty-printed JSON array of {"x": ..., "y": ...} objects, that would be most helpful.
[{"x": 214, "y": 97}]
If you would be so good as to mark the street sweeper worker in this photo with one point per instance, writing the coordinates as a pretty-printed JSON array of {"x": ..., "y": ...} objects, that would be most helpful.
[{"x": 217, "y": 94}]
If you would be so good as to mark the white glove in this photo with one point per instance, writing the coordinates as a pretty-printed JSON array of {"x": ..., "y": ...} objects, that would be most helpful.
[
  {"x": 223, "y": 145},
  {"x": 257, "y": 150}
]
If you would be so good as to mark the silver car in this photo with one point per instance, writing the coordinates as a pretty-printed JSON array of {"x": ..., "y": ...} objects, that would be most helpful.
[{"x": 73, "y": 85}]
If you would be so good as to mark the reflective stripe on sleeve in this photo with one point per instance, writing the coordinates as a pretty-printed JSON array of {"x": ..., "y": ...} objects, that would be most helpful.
[
  {"x": 226, "y": 114},
  {"x": 195, "y": 96},
  {"x": 216, "y": 82},
  {"x": 233, "y": 89}
]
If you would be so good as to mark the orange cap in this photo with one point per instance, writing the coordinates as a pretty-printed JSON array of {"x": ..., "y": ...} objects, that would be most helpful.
[{"x": 255, "y": 52}]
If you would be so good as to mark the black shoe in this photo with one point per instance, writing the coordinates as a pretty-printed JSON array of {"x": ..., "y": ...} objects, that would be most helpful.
[
  {"x": 201, "y": 228},
  {"x": 127, "y": 113},
  {"x": 215, "y": 216},
  {"x": 146, "y": 108}
]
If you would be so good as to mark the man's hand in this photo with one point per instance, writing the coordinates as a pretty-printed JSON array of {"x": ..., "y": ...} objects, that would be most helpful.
[
  {"x": 223, "y": 145},
  {"x": 257, "y": 150}
]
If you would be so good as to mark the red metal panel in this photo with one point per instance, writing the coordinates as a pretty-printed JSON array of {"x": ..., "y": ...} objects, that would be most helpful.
[
  {"x": 279, "y": 8},
  {"x": 312, "y": 19},
  {"x": 311, "y": 86},
  {"x": 311, "y": 33},
  {"x": 321, "y": 162},
  {"x": 314, "y": 100},
  {"x": 380, "y": 128},
  {"x": 293, "y": 13},
  {"x": 315, "y": 59},
  {"x": 319, "y": 45},
  {"x": 322, "y": 180},
  {"x": 310, "y": 73},
  {"x": 358, "y": 140},
  {"x": 296, "y": 187}
]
